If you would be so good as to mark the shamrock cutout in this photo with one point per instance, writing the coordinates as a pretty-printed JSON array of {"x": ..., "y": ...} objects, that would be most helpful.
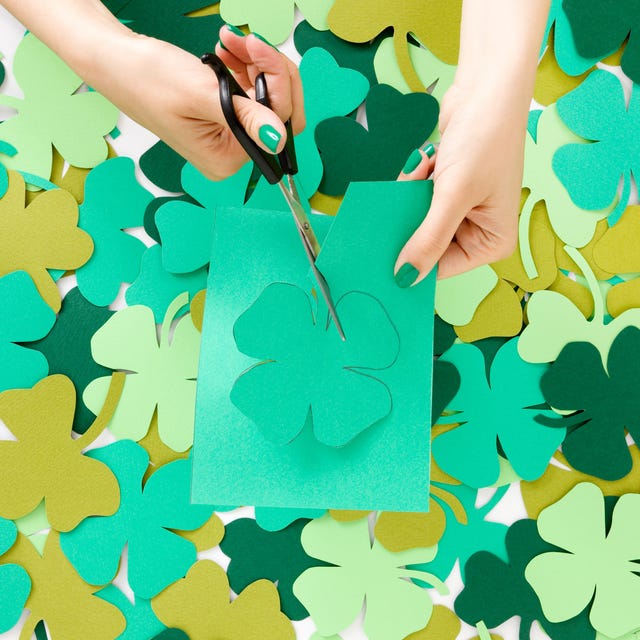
[
  {"x": 24, "y": 318},
  {"x": 347, "y": 54},
  {"x": 157, "y": 288},
  {"x": 114, "y": 201},
  {"x": 52, "y": 114},
  {"x": 597, "y": 111},
  {"x": 277, "y": 556},
  {"x": 443, "y": 625},
  {"x": 436, "y": 24},
  {"x": 593, "y": 561},
  {"x": 363, "y": 572},
  {"x": 60, "y": 597},
  {"x": 141, "y": 621},
  {"x": 604, "y": 400},
  {"x": 163, "y": 373},
  {"x": 67, "y": 348},
  {"x": 461, "y": 539},
  {"x": 163, "y": 166},
  {"x": 573, "y": 225},
  {"x": 72, "y": 484},
  {"x": 600, "y": 27},
  {"x": 495, "y": 410},
  {"x": 15, "y": 584},
  {"x": 554, "y": 321},
  {"x": 40, "y": 236},
  {"x": 169, "y": 20},
  {"x": 145, "y": 522},
  {"x": 564, "y": 48},
  {"x": 199, "y": 605},
  {"x": 397, "y": 125},
  {"x": 496, "y": 590},
  {"x": 275, "y": 19},
  {"x": 313, "y": 370}
]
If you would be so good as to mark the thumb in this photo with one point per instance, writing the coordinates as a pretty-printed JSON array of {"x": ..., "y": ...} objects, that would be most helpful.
[
  {"x": 262, "y": 124},
  {"x": 431, "y": 239}
]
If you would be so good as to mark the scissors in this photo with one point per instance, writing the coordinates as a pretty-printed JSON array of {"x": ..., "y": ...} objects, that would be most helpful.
[{"x": 278, "y": 169}]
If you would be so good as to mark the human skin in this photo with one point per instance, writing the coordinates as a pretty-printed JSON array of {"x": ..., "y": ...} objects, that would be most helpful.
[
  {"x": 477, "y": 170},
  {"x": 164, "y": 88}
]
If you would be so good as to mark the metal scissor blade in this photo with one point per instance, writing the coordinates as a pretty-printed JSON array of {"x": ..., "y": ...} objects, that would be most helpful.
[{"x": 308, "y": 239}]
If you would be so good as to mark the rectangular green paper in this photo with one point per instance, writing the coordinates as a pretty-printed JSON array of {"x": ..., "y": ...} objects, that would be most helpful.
[{"x": 387, "y": 466}]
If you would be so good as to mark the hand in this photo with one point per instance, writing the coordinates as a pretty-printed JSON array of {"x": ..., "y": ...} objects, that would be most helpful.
[
  {"x": 171, "y": 93},
  {"x": 477, "y": 174}
]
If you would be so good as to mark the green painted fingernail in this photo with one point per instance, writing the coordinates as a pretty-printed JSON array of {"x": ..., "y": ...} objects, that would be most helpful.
[
  {"x": 406, "y": 276},
  {"x": 235, "y": 30},
  {"x": 429, "y": 149},
  {"x": 412, "y": 163},
  {"x": 257, "y": 35},
  {"x": 270, "y": 137}
]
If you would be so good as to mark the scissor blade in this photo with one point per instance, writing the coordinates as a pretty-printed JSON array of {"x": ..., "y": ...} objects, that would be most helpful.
[{"x": 309, "y": 239}]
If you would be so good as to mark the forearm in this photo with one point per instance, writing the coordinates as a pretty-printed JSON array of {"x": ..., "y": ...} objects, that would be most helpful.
[
  {"x": 499, "y": 48},
  {"x": 81, "y": 32}
]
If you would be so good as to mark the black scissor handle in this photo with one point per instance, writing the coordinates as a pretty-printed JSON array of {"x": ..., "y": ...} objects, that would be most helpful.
[
  {"x": 287, "y": 157},
  {"x": 268, "y": 164}
]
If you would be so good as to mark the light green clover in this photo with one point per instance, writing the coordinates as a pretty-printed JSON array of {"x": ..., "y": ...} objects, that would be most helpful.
[
  {"x": 595, "y": 565},
  {"x": 333, "y": 595},
  {"x": 163, "y": 374},
  {"x": 52, "y": 113}
]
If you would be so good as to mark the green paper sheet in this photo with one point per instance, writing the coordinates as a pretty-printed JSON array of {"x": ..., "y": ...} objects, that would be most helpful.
[{"x": 387, "y": 466}]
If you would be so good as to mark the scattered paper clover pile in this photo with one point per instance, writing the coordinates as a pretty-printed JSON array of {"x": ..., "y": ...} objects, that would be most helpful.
[{"x": 536, "y": 376}]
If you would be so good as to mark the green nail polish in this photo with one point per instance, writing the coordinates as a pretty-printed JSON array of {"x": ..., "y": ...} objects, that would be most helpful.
[
  {"x": 235, "y": 30},
  {"x": 270, "y": 137},
  {"x": 429, "y": 149},
  {"x": 412, "y": 163},
  {"x": 257, "y": 35},
  {"x": 406, "y": 276}
]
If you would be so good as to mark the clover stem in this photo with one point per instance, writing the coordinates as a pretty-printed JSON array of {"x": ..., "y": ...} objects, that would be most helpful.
[
  {"x": 12, "y": 102},
  {"x": 494, "y": 500},
  {"x": 403, "y": 57},
  {"x": 106, "y": 413},
  {"x": 429, "y": 578},
  {"x": 29, "y": 627},
  {"x": 614, "y": 216},
  {"x": 483, "y": 632},
  {"x": 524, "y": 224},
  {"x": 592, "y": 283},
  {"x": 452, "y": 501},
  {"x": 169, "y": 315}
]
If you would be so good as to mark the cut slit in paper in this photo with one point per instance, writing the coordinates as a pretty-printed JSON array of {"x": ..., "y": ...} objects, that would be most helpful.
[{"x": 307, "y": 369}]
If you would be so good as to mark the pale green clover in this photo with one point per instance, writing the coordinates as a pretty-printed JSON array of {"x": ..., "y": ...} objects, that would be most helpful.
[
  {"x": 573, "y": 225},
  {"x": 594, "y": 561},
  {"x": 554, "y": 321},
  {"x": 163, "y": 374},
  {"x": 274, "y": 19},
  {"x": 333, "y": 595},
  {"x": 457, "y": 298},
  {"x": 53, "y": 114}
]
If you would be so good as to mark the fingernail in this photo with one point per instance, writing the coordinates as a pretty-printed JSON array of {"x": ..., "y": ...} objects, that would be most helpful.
[
  {"x": 412, "y": 163},
  {"x": 235, "y": 30},
  {"x": 270, "y": 137},
  {"x": 257, "y": 35},
  {"x": 429, "y": 149},
  {"x": 406, "y": 276}
]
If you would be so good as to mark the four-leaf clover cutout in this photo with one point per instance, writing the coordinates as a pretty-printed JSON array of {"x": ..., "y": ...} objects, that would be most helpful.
[{"x": 306, "y": 367}]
